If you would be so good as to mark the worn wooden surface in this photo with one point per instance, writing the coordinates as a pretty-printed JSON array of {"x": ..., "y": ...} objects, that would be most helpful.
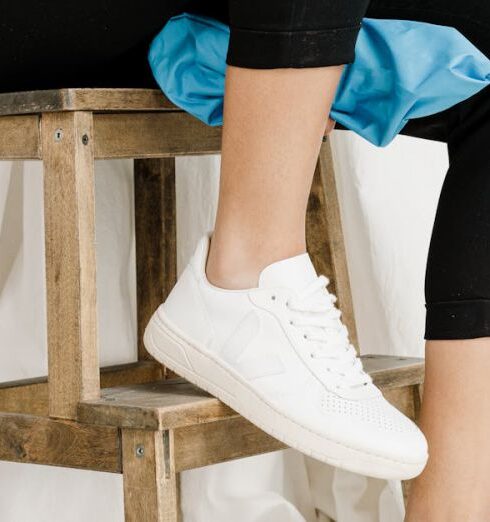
[
  {"x": 40, "y": 440},
  {"x": 402, "y": 399},
  {"x": 406, "y": 489},
  {"x": 69, "y": 208},
  {"x": 153, "y": 135},
  {"x": 172, "y": 404},
  {"x": 151, "y": 492},
  {"x": 156, "y": 240},
  {"x": 325, "y": 238},
  {"x": 19, "y": 137},
  {"x": 221, "y": 441},
  {"x": 160, "y": 405},
  {"x": 30, "y": 396},
  {"x": 97, "y": 100},
  {"x": 393, "y": 370}
]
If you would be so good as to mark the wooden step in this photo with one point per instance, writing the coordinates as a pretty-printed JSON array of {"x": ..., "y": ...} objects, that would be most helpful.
[
  {"x": 175, "y": 403},
  {"x": 97, "y": 100}
]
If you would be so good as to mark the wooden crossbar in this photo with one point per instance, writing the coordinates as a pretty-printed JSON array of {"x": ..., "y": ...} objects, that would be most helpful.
[
  {"x": 30, "y": 396},
  {"x": 41, "y": 440},
  {"x": 119, "y": 135},
  {"x": 93, "y": 100}
]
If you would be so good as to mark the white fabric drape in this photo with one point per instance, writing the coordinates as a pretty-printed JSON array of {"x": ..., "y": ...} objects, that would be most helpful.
[{"x": 388, "y": 200}]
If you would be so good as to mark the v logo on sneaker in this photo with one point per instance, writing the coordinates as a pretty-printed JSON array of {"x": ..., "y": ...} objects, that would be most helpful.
[{"x": 248, "y": 357}]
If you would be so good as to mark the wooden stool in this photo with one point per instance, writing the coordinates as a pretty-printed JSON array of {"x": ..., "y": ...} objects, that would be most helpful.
[{"x": 143, "y": 425}]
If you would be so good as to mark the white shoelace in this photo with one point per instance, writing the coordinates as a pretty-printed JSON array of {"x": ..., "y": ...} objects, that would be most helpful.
[{"x": 315, "y": 314}]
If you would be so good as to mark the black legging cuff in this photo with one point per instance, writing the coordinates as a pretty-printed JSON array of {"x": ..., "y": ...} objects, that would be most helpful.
[
  {"x": 458, "y": 320},
  {"x": 276, "y": 49}
]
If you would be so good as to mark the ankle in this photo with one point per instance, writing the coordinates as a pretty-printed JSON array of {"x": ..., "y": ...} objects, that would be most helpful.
[
  {"x": 237, "y": 264},
  {"x": 230, "y": 276}
]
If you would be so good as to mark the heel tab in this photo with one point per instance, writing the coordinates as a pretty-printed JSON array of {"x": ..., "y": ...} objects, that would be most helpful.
[{"x": 200, "y": 256}]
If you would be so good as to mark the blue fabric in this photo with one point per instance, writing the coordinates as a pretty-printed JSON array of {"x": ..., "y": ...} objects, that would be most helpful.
[{"x": 402, "y": 70}]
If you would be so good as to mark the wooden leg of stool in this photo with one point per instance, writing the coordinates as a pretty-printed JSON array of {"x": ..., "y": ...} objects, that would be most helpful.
[
  {"x": 69, "y": 215},
  {"x": 325, "y": 238},
  {"x": 155, "y": 224},
  {"x": 417, "y": 401},
  {"x": 151, "y": 492}
]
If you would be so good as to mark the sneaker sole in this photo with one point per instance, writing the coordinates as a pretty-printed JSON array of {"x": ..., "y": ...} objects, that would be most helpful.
[{"x": 169, "y": 346}]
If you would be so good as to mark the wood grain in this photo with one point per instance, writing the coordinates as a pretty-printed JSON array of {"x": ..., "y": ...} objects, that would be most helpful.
[
  {"x": 70, "y": 261},
  {"x": 155, "y": 406},
  {"x": 96, "y": 100},
  {"x": 153, "y": 135},
  {"x": 325, "y": 237},
  {"x": 19, "y": 137},
  {"x": 40, "y": 440},
  {"x": 151, "y": 492},
  {"x": 30, "y": 396},
  {"x": 156, "y": 237},
  {"x": 221, "y": 441},
  {"x": 394, "y": 371}
]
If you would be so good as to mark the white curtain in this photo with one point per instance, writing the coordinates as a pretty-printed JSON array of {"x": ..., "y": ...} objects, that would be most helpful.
[{"x": 388, "y": 200}]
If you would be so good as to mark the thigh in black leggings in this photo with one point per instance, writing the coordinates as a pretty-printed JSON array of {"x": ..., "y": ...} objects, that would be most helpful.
[
  {"x": 101, "y": 43},
  {"x": 458, "y": 267}
]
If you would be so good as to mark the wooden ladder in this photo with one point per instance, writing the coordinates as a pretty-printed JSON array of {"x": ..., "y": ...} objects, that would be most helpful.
[{"x": 145, "y": 424}]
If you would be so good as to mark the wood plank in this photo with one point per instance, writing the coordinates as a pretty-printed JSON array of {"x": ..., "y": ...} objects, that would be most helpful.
[
  {"x": 30, "y": 396},
  {"x": 151, "y": 492},
  {"x": 402, "y": 399},
  {"x": 69, "y": 209},
  {"x": 221, "y": 441},
  {"x": 175, "y": 403},
  {"x": 153, "y": 135},
  {"x": 394, "y": 371},
  {"x": 156, "y": 238},
  {"x": 41, "y": 440},
  {"x": 156, "y": 406},
  {"x": 325, "y": 238},
  {"x": 19, "y": 137},
  {"x": 57, "y": 100}
]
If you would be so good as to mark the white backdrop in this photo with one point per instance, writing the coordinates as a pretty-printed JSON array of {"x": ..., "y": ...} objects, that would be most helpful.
[{"x": 388, "y": 200}]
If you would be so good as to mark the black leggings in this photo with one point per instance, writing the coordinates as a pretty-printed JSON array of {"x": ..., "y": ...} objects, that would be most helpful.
[
  {"x": 103, "y": 43},
  {"x": 457, "y": 286}
]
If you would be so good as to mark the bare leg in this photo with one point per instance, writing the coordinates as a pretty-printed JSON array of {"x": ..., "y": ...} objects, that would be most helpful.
[
  {"x": 274, "y": 121},
  {"x": 456, "y": 420}
]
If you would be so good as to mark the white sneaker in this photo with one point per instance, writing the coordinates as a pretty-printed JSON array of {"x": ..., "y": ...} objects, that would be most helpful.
[{"x": 280, "y": 356}]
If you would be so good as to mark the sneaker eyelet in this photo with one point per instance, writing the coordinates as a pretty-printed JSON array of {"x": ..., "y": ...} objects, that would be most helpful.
[
  {"x": 305, "y": 336},
  {"x": 291, "y": 322},
  {"x": 273, "y": 297}
]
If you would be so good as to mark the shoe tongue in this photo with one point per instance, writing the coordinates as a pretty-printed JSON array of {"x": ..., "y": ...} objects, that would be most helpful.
[{"x": 294, "y": 273}]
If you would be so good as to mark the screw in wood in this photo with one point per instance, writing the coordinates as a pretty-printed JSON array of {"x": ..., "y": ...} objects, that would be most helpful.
[
  {"x": 58, "y": 134},
  {"x": 140, "y": 451},
  {"x": 85, "y": 139}
]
